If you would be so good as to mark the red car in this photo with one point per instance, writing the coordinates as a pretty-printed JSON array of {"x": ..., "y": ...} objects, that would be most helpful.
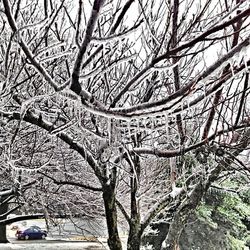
[{"x": 33, "y": 232}]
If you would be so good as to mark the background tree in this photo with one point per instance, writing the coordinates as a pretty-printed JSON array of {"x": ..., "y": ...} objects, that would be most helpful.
[{"x": 120, "y": 83}]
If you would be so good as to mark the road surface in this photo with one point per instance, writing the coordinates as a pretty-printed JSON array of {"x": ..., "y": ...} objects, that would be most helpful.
[
  {"x": 65, "y": 236},
  {"x": 52, "y": 245}
]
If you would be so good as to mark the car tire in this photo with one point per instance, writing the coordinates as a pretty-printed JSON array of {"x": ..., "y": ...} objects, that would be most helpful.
[
  {"x": 26, "y": 237},
  {"x": 43, "y": 236}
]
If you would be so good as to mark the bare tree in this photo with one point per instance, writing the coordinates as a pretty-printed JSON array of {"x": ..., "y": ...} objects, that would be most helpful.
[{"x": 126, "y": 81}]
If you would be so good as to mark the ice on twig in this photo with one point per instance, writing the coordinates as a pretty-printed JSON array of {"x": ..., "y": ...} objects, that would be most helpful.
[
  {"x": 63, "y": 127},
  {"x": 54, "y": 56}
]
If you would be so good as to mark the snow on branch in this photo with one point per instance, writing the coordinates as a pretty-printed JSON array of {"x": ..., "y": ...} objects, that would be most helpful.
[
  {"x": 16, "y": 171},
  {"x": 50, "y": 47},
  {"x": 155, "y": 209},
  {"x": 53, "y": 57},
  {"x": 63, "y": 127}
]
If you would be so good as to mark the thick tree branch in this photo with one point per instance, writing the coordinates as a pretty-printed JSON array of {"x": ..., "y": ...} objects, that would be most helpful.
[
  {"x": 75, "y": 85},
  {"x": 172, "y": 52},
  {"x": 174, "y": 100},
  {"x": 155, "y": 210},
  {"x": 113, "y": 29},
  {"x": 20, "y": 218},
  {"x": 218, "y": 94},
  {"x": 181, "y": 151},
  {"x": 7, "y": 192},
  {"x": 2, "y": 216},
  {"x": 72, "y": 183},
  {"x": 243, "y": 99},
  {"x": 31, "y": 217},
  {"x": 122, "y": 209},
  {"x": 176, "y": 68}
]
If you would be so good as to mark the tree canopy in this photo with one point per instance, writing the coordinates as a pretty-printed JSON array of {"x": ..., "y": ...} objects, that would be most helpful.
[{"x": 123, "y": 107}]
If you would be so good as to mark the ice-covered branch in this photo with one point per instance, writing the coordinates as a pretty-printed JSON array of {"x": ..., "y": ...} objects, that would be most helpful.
[
  {"x": 112, "y": 30},
  {"x": 210, "y": 91},
  {"x": 204, "y": 35},
  {"x": 75, "y": 85},
  {"x": 122, "y": 209},
  {"x": 48, "y": 126},
  {"x": 115, "y": 37},
  {"x": 154, "y": 210},
  {"x": 144, "y": 108},
  {"x": 171, "y": 103},
  {"x": 72, "y": 183},
  {"x": 7, "y": 192},
  {"x": 25, "y": 47},
  {"x": 182, "y": 150},
  {"x": 100, "y": 70},
  {"x": 178, "y": 49},
  {"x": 136, "y": 78}
]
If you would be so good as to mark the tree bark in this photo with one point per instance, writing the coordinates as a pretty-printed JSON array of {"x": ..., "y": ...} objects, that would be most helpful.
[
  {"x": 135, "y": 231},
  {"x": 3, "y": 236},
  {"x": 134, "y": 237},
  {"x": 181, "y": 217},
  {"x": 114, "y": 241}
]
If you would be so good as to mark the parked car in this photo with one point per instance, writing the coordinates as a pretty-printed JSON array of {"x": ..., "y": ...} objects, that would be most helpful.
[
  {"x": 33, "y": 232},
  {"x": 39, "y": 228}
]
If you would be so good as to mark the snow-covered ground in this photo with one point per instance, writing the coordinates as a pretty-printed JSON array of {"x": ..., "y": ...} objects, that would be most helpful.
[{"x": 54, "y": 246}]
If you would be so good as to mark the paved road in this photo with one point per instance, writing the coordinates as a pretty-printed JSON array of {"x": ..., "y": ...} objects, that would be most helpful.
[
  {"x": 61, "y": 237},
  {"x": 49, "y": 245},
  {"x": 67, "y": 228}
]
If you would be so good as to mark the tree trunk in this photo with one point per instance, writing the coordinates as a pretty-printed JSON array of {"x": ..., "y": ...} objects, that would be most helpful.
[
  {"x": 3, "y": 236},
  {"x": 134, "y": 237},
  {"x": 180, "y": 219},
  {"x": 114, "y": 241},
  {"x": 172, "y": 240}
]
